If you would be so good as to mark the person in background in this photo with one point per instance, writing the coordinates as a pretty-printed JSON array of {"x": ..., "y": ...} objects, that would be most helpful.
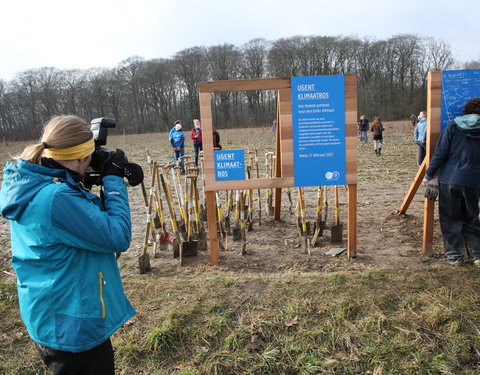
[
  {"x": 216, "y": 139},
  {"x": 64, "y": 241},
  {"x": 420, "y": 136},
  {"x": 457, "y": 160},
  {"x": 173, "y": 130},
  {"x": 177, "y": 140},
  {"x": 196, "y": 136},
  {"x": 274, "y": 125},
  {"x": 413, "y": 119},
  {"x": 363, "y": 126},
  {"x": 377, "y": 129}
]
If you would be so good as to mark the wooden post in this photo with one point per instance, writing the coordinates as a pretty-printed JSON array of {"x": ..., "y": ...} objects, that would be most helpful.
[
  {"x": 352, "y": 222},
  {"x": 434, "y": 110},
  {"x": 278, "y": 167},
  {"x": 351, "y": 159},
  {"x": 212, "y": 227},
  {"x": 413, "y": 188}
]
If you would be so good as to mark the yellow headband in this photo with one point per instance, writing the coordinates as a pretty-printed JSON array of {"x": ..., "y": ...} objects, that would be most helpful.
[{"x": 71, "y": 153}]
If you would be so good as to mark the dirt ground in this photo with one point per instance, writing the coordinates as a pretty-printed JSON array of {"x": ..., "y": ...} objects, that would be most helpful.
[{"x": 384, "y": 239}]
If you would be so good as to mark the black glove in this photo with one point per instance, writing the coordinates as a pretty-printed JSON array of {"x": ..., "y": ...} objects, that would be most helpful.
[
  {"x": 431, "y": 190},
  {"x": 113, "y": 164},
  {"x": 117, "y": 164},
  {"x": 107, "y": 162},
  {"x": 134, "y": 173}
]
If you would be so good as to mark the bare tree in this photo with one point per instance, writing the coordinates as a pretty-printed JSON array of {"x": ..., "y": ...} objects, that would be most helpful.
[
  {"x": 255, "y": 65},
  {"x": 191, "y": 66},
  {"x": 224, "y": 61},
  {"x": 159, "y": 87},
  {"x": 474, "y": 64}
]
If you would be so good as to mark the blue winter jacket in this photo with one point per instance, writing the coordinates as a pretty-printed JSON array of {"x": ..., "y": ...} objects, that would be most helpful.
[
  {"x": 63, "y": 252},
  {"x": 420, "y": 130},
  {"x": 457, "y": 154}
]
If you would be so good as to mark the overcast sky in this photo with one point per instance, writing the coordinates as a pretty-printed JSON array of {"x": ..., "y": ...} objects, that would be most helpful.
[{"x": 101, "y": 33}]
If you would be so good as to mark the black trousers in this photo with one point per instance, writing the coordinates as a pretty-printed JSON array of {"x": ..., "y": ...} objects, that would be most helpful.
[
  {"x": 198, "y": 147},
  {"x": 422, "y": 150},
  {"x": 458, "y": 211},
  {"x": 96, "y": 361}
]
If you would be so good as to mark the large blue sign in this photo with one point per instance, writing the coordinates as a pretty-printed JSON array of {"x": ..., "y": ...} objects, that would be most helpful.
[
  {"x": 318, "y": 114},
  {"x": 458, "y": 87},
  {"x": 229, "y": 165}
]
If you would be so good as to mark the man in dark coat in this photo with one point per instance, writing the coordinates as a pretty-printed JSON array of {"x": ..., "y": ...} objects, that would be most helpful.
[
  {"x": 457, "y": 159},
  {"x": 363, "y": 126}
]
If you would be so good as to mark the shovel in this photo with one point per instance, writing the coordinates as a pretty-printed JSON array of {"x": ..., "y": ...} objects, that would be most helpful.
[
  {"x": 250, "y": 201},
  {"x": 177, "y": 246},
  {"x": 318, "y": 223},
  {"x": 289, "y": 195},
  {"x": 304, "y": 237},
  {"x": 202, "y": 235},
  {"x": 337, "y": 229},
  {"x": 165, "y": 240},
  {"x": 175, "y": 171},
  {"x": 221, "y": 230},
  {"x": 228, "y": 204},
  {"x": 203, "y": 211},
  {"x": 258, "y": 192},
  {"x": 242, "y": 225},
  {"x": 190, "y": 246},
  {"x": 144, "y": 259},
  {"x": 147, "y": 208},
  {"x": 236, "y": 230}
]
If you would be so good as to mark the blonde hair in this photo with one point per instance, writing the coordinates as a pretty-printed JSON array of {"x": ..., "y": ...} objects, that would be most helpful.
[
  {"x": 196, "y": 121},
  {"x": 60, "y": 132}
]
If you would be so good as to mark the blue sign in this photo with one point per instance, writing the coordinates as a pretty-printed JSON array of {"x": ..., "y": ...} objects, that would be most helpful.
[
  {"x": 229, "y": 165},
  {"x": 318, "y": 115},
  {"x": 458, "y": 87}
]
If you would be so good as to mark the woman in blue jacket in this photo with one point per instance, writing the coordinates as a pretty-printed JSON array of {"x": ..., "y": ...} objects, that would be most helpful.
[
  {"x": 64, "y": 241},
  {"x": 457, "y": 160}
]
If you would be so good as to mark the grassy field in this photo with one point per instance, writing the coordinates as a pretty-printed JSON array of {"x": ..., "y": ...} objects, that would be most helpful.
[{"x": 370, "y": 316}]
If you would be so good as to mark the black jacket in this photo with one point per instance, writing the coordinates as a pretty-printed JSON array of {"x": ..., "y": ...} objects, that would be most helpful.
[
  {"x": 457, "y": 157},
  {"x": 363, "y": 125}
]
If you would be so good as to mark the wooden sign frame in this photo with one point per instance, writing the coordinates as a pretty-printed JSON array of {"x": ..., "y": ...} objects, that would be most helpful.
[
  {"x": 284, "y": 152},
  {"x": 434, "y": 111}
]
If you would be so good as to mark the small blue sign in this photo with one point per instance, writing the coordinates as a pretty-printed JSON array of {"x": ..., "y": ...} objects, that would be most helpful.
[
  {"x": 318, "y": 122},
  {"x": 458, "y": 87},
  {"x": 229, "y": 165}
]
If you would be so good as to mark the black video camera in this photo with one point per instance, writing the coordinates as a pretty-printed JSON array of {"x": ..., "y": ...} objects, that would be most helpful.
[
  {"x": 133, "y": 172},
  {"x": 99, "y": 127}
]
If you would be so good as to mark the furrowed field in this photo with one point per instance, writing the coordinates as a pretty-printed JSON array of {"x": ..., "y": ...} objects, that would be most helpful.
[{"x": 277, "y": 310}]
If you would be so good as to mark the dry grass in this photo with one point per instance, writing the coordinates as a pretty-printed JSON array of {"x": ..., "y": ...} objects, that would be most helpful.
[{"x": 278, "y": 311}]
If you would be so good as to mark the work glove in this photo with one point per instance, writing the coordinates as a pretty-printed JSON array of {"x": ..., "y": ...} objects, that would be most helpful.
[{"x": 431, "y": 189}]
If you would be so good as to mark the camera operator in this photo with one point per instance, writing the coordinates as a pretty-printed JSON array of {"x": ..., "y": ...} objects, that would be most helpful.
[{"x": 63, "y": 246}]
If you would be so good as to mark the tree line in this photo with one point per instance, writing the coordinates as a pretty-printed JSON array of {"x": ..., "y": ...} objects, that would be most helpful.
[{"x": 149, "y": 95}]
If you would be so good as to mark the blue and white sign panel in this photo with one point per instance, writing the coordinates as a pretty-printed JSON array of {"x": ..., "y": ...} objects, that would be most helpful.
[
  {"x": 318, "y": 115},
  {"x": 458, "y": 87},
  {"x": 229, "y": 165}
]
